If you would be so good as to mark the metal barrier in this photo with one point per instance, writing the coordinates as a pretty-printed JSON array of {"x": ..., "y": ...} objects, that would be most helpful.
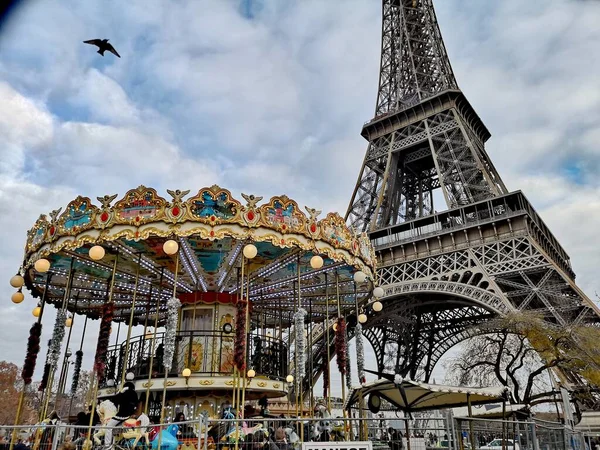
[{"x": 385, "y": 433}]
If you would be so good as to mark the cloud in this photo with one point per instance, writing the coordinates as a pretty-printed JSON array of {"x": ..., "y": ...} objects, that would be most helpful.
[{"x": 271, "y": 100}]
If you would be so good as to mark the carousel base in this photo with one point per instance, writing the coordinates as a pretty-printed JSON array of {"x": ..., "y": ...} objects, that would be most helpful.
[{"x": 255, "y": 388}]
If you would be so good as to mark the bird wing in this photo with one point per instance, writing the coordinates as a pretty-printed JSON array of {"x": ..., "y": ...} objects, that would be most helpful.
[
  {"x": 93, "y": 42},
  {"x": 111, "y": 49}
]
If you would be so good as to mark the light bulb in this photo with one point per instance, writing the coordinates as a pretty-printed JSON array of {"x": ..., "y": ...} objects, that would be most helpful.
[
  {"x": 316, "y": 262},
  {"x": 68, "y": 322},
  {"x": 360, "y": 277},
  {"x": 289, "y": 378},
  {"x": 378, "y": 292},
  {"x": 186, "y": 373},
  {"x": 17, "y": 297},
  {"x": 36, "y": 311},
  {"x": 97, "y": 252},
  {"x": 251, "y": 373},
  {"x": 362, "y": 318},
  {"x": 335, "y": 326},
  {"x": 250, "y": 251},
  {"x": 377, "y": 306},
  {"x": 17, "y": 281},
  {"x": 170, "y": 247},
  {"x": 42, "y": 265}
]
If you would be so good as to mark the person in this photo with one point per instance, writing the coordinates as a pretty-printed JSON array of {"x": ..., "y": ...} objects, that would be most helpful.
[
  {"x": 185, "y": 431},
  {"x": 260, "y": 441},
  {"x": 126, "y": 402},
  {"x": 21, "y": 445},
  {"x": 281, "y": 439},
  {"x": 88, "y": 416},
  {"x": 68, "y": 444}
]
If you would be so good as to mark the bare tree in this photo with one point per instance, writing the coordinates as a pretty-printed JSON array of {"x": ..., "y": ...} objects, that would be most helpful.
[{"x": 518, "y": 352}]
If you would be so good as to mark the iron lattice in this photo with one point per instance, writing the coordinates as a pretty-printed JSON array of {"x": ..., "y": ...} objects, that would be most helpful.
[{"x": 444, "y": 273}]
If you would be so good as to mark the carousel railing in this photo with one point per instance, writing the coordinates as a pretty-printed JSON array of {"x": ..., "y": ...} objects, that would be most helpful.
[{"x": 205, "y": 353}]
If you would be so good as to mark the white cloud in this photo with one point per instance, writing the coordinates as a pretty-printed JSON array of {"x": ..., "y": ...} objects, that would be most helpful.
[{"x": 274, "y": 105}]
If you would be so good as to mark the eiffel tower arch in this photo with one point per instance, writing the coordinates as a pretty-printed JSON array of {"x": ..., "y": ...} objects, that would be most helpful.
[{"x": 487, "y": 253}]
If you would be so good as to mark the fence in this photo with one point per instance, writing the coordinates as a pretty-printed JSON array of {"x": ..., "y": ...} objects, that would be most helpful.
[{"x": 421, "y": 433}]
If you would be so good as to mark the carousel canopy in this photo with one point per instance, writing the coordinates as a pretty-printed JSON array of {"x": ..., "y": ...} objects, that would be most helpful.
[
  {"x": 413, "y": 396},
  {"x": 211, "y": 228}
]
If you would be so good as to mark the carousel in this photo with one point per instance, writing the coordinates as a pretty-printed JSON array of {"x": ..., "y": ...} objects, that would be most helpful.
[{"x": 215, "y": 303}]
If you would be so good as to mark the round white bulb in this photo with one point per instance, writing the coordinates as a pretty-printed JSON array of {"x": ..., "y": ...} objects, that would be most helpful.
[
  {"x": 130, "y": 376},
  {"x": 316, "y": 262},
  {"x": 36, "y": 311},
  {"x": 42, "y": 265},
  {"x": 97, "y": 252},
  {"x": 378, "y": 292},
  {"x": 360, "y": 277},
  {"x": 68, "y": 322},
  {"x": 251, "y": 373},
  {"x": 186, "y": 373},
  {"x": 17, "y": 281},
  {"x": 110, "y": 383},
  {"x": 362, "y": 318},
  {"x": 17, "y": 297},
  {"x": 289, "y": 378},
  {"x": 250, "y": 251},
  {"x": 377, "y": 306},
  {"x": 335, "y": 326},
  {"x": 170, "y": 247}
]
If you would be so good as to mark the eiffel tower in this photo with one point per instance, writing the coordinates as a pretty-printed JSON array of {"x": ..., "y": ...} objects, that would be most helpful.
[{"x": 487, "y": 254}]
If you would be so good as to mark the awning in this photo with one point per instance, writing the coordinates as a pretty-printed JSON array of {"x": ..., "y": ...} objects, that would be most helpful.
[
  {"x": 489, "y": 411},
  {"x": 411, "y": 395}
]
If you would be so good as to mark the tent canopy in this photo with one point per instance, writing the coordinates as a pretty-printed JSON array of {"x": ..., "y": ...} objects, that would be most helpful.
[
  {"x": 409, "y": 395},
  {"x": 494, "y": 411}
]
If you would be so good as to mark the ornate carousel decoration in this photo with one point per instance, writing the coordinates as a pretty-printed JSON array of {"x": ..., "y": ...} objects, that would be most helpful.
[{"x": 223, "y": 301}]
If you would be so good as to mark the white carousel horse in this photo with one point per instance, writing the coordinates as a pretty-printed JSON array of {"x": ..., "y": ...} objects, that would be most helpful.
[
  {"x": 322, "y": 428},
  {"x": 131, "y": 428}
]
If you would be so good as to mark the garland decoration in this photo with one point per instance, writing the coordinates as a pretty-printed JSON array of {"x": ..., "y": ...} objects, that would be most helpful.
[
  {"x": 33, "y": 348},
  {"x": 348, "y": 369},
  {"x": 171, "y": 332},
  {"x": 239, "y": 356},
  {"x": 360, "y": 354},
  {"x": 57, "y": 337},
  {"x": 300, "y": 343},
  {"x": 325, "y": 376},
  {"x": 108, "y": 310},
  {"x": 45, "y": 376},
  {"x": 340, "y": 345},
  {"x": 76, "y": 371}
]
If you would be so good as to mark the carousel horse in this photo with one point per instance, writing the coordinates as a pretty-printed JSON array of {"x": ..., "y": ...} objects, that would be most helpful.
[
  {"x": 321, "y": 430},
  {"x": 132, "y": 429}
]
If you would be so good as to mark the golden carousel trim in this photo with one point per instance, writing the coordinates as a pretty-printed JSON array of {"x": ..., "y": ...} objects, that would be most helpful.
[{"x": 212, "y": 214}]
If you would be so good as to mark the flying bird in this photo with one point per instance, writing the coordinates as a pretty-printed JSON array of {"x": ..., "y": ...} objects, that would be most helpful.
[{"x": 103, "y": 46}]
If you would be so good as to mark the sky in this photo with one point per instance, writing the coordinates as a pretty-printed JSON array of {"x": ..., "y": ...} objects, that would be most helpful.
[{"x": 269, "y": 97}]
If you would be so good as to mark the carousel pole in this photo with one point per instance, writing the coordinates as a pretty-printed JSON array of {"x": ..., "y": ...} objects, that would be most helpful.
[
  {"x": 247, "y": 329},
  {"x": 64, "y": 371},
  {"x": 164, "y": 393},
  {"x": 94, "y": 389},
  {"x": 326, "y": 328},
  {"x": 339, "y": 310},
  {"x": 131, "y": 315},
  {"x": 361, "y": 400},
  {"x": 310, "y": 366},
  {"x": 53, "y": 368},
  {"x": 80, "y": 349},
  {"x": 237, "y": 378},
  {"x": 300, "y": 392},
  {"x": 24, "y": 390},
  {"x": 153, "y": 340}
]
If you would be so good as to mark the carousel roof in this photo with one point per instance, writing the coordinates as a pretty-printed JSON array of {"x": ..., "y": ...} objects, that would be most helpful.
[{"x": 211, "y": 228}]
